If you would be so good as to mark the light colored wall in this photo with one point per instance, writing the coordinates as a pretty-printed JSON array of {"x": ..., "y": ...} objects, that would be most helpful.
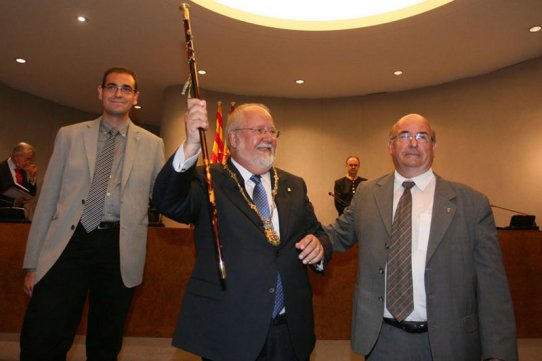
[
  {"x": 27, "y": 118},
  {"x": 488, "y": 130}
]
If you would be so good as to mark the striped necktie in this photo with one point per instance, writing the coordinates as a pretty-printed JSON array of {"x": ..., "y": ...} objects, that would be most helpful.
[
  {"x": 94, "y": 205},
  {"x": 259, "y": 197},
  {"x": 399, "y": 293}
]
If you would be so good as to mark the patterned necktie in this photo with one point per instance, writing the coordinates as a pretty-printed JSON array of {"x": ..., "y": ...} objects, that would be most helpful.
[
  {"x": 94, "y": 205},
  {"x": 259, "y": 197},
  {"x": 399, "y": 294}
]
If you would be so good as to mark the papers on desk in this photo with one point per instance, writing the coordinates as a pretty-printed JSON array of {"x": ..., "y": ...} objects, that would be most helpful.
[{"x": 17, "y": 191}]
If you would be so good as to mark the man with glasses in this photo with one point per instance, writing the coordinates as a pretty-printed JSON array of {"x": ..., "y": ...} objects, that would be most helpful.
[
  {"x": 345, "y": 187},
  {"x": 89, "y": 232},
  {"x": 431, "y": 282},
  {"x": 270, "y": 236}
]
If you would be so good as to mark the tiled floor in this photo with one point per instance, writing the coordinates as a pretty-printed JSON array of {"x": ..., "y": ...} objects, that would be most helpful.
[{"x": 160, "y": 349}]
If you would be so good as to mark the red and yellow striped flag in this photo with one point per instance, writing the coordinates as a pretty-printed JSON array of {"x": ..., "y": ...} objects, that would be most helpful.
[{"x": 220, "y": 149}]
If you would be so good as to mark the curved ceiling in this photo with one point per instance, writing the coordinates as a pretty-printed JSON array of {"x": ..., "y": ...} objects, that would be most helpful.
[
  {"x": 319, "y": 15},
  {"x": 66, "y": 58}
]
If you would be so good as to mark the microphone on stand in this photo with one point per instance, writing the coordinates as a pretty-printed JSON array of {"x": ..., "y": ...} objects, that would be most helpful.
[
  {"x": 340, "y": 201},
  {"x": 519, "y": 221},
  {"x": 508, "y": 209}
]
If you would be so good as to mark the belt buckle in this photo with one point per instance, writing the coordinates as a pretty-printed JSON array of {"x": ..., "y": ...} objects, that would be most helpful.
[
  {"x": 101, "y": 226},
  {"x": 408, "y": 326}
]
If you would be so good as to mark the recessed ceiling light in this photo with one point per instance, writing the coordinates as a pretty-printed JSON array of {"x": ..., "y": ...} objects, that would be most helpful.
[
  {"x": 398, "y": 72},
  {"x": 20, "y": 60},
  {"x": 317, "y": 15},
  {"x": 300, "y": 81},
  {"x": 535, "y": 29},
  {"x": 82, "y": 19},
  {"x": 137, "y": 106},
  {"x": 202, "y": 72}
]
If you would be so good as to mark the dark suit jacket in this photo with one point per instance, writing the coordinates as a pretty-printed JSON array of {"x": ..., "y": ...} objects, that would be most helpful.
[
  {"x": 231, "y": 323},
  {"x": 343, "y": 192},
  {"x": 469, "y": 308},
  {"x": 6, "y": 180}
]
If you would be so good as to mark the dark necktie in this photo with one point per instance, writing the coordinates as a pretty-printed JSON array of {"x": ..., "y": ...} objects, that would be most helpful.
[
  {"x": 19, "y": 176},
  {"x": 94, "y": 205},
  {"x": 259, "y": 197},
  {"x": 399, "y": 294}
]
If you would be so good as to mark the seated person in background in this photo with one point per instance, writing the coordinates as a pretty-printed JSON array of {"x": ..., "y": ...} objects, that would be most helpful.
[
  {"x": 345, "y": 187},
  {"x": 18, "y": 169}
]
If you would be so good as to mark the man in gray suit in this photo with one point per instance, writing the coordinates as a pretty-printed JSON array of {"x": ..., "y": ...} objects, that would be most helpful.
[
  {"x": 455, "y": 293},
  {"x": 89, "y": 237}
]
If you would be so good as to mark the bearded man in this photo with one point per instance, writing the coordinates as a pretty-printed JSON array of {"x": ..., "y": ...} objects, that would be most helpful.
[{"x": 270, "y": 237}]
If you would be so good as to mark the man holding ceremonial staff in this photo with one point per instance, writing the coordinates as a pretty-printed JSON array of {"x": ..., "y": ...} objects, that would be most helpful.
[{"x": 270, "y": 236}]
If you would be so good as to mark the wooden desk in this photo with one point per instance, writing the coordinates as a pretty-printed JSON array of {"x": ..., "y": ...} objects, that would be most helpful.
[{"x": 171, "y": 257}]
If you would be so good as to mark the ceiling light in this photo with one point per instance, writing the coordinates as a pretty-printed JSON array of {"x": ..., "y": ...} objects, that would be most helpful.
[
  {"x": 20, "y": 60},
  {"x": 398, "y": 72},
  {"x": 535, "y": 29},
  {"x": 137, "y": 106},
  {"x": 318, "y": 15},
  {"x": 202, "y": 72},
  {"x": 300, "y": 81},
  {"x": 82, "y": 19}
]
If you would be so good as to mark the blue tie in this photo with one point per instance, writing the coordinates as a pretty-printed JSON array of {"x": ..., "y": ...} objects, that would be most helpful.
[{"x": 259, "y": 197}]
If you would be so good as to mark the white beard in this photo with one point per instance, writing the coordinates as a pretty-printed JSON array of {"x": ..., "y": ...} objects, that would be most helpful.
[{"x": 265, "y": 162}]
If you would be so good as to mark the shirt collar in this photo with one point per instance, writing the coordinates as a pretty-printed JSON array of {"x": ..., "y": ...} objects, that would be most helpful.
[
  {"x": 105, "y": 127},
  {"x": 245, "y": 173},
  {"x": 422, "y": 180}
]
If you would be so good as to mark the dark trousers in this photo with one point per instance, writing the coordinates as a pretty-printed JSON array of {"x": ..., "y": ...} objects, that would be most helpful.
[
  {"x": 278, "y": 346},
  {"x": 90, "y": 265}
]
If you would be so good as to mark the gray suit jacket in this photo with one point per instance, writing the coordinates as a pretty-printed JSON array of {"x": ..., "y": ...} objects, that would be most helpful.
[
  {"x": 469, "y": 308},
  {"x": 66, "y": 185}
]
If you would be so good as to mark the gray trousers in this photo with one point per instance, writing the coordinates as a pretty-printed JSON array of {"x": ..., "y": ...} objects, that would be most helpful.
[{"x": 394, "y": 344}]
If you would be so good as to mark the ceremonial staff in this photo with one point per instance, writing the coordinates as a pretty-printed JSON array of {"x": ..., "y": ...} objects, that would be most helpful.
[{"x": 193, "y": 84}]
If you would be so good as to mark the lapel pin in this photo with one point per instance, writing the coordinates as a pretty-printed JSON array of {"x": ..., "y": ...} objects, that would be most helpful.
[{"x": 448, "y": 210}]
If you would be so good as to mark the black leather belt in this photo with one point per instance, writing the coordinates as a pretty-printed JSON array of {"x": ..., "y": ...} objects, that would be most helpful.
[
  {"x": 108, "y": 225},
  {"x": 279, "y": 320},
  {"x": 408, "y": 326}
]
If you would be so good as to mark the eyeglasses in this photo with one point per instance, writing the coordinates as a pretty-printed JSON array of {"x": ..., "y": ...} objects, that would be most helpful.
[
  {"x": 407, "y": 137},
  {"x": 124, "y": 89},
  {"x": 261, "y": 131}
]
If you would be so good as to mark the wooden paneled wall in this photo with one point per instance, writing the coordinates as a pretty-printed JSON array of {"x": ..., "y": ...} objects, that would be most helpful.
[{"x": 171, "y": 258}]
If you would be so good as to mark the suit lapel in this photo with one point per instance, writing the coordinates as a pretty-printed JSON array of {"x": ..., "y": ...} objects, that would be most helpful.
[
  {"x": 132, "y": 143},
  {"x": 443, "y": 213},
  {"x": 384, "y": 200},
  {"x": 90, "y": 141},
  {"x": 284, "y": 206}
]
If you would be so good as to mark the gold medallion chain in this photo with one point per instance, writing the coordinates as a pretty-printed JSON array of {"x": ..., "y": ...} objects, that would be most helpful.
[{"x": 270, "y": 233}]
